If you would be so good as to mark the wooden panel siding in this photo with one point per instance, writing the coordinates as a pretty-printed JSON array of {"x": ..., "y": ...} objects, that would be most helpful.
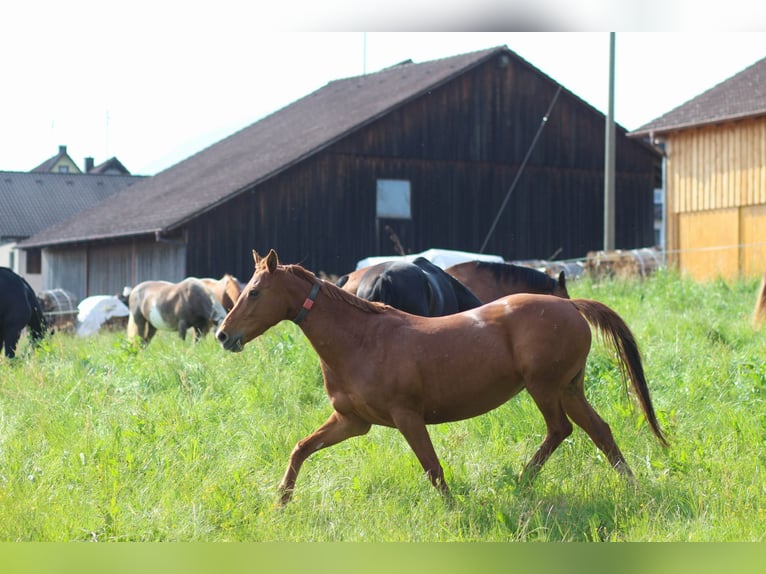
[
  {"x": 714, "y": 170},
  {"x": 718, "y": 167},
  {"x": 714, "y": 235},
  {"x": 109, "y": 269},
  {"x": 106, "y": 268},
  {"x": 66, "y": 269},
  {"x": 753, "y": 240}
]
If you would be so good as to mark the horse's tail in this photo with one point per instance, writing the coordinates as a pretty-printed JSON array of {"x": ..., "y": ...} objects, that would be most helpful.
[
  {"x": 611, "y": 326},
  {"x": 37, "y": 322},
  {"x": 759, "y": 314}
]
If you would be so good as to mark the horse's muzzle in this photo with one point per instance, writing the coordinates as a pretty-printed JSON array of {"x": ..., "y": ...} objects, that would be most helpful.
[{"x": 233, "y": 344}]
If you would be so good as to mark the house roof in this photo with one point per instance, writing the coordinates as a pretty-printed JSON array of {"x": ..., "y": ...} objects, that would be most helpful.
[
  {"x": 30, "y": 202},
  {"x": 49, "y": 163},
  {"x": 110, "y": 166},
  {"x": 256, "y": 153},
  {"x": 741, "y": 96}
]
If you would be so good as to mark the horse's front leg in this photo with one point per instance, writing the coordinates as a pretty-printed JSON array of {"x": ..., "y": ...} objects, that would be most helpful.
[
  {"x": 337, "y": 429},
  {"x": 183, "y": 326},
  {"x": 412, "y": 425}
]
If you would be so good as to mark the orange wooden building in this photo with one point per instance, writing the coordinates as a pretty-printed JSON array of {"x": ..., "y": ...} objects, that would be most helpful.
[{"x": 715, "y": 174}]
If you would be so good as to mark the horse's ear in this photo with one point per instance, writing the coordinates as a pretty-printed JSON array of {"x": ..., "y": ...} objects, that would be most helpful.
[
  {"x": 256, "y": 257},
  {"x": 562, "y": 280},
  {"x": 272, "y": 260}
]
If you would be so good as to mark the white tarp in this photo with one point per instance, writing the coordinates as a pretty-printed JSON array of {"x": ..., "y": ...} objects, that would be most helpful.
[
  {"x": 440, "y": 257},
  {"x": 96, "y": 310}
]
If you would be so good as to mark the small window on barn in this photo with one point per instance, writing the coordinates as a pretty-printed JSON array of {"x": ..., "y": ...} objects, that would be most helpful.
[
  {"x": 63, "y": 169},
  {"x": 34, "y": 261},
  {"x": 393, "y": 199}
]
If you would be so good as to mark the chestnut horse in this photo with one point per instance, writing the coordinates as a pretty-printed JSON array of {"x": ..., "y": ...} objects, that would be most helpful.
[
  {"x": 170, "y": 306},
  {"x": 759, "y": 314},
  {"x": 489, "y": 280},
  {"x": 226, "y": 289},
  {"x": 382, "y": 366},
  {"x": 19, "y": 308}
]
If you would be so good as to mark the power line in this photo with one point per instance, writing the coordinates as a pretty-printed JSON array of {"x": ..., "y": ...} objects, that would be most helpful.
[{"x": 521, "y": 169}]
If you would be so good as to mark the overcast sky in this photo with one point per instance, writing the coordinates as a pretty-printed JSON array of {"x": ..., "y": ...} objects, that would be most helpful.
[{"x": 154, "y": 82}]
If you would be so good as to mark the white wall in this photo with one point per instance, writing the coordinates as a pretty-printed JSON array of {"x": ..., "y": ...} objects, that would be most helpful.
[{"x": 8, "y": 251}]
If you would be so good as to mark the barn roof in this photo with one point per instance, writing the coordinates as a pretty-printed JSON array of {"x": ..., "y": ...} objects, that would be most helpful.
[
  {"x": 256, "y": 153},
  {"x": 30, "y": 202},
  {"x": 741, "y": 96}
]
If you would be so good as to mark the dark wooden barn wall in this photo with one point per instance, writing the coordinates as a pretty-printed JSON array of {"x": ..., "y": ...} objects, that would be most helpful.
[
  {"x": 460, "y": 146},
  {"x": 106, "y": 268}
]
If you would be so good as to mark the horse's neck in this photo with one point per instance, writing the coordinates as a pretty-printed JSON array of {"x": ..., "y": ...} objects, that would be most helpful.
[{"x": 334, "y": 324}]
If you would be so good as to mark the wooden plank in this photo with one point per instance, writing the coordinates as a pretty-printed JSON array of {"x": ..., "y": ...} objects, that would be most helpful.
[
  {"x": 760, "y": 159},
  {"x": 753, "y": 223},
  {"x": 709, "y": 244}
]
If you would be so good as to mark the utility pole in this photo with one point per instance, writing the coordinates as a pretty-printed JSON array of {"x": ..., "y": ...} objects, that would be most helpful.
[{"x": 609, "y": 157}]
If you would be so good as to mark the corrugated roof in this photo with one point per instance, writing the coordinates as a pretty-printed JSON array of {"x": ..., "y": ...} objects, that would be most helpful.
[
  {"x": 214, "y": 175},
  {"x": 741, "y": 96},
  {"x": 31, "y": 202}
]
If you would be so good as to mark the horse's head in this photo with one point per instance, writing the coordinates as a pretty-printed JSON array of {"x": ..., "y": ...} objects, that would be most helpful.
[
  {"x": 265, "y": 301},
  {"x": 231, "y": 291}
]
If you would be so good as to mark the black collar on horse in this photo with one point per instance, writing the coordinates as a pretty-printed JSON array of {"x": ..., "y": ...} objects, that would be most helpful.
[{"x": 19, "y": 308}]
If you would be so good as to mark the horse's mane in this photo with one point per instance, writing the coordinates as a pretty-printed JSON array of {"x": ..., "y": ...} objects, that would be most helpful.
[
  {"x": 508, "y": 271},
  {"x": 335, "y": 292}
]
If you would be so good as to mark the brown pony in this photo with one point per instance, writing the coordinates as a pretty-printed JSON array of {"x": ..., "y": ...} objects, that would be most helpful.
[
  {"x": 382, "y": 366},
  {"x": 226, "y": 289},
  {"x": 489, "y": 280},
  {"x": 759, "y": 314},
  {"x": 172, "y": 307}
]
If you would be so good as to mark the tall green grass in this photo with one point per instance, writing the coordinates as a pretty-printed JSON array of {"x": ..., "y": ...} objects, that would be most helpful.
[{"x": 101, "y": 440}]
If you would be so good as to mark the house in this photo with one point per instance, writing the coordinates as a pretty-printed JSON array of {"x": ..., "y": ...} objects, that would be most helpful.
[
  {"x": 715, "y": 146},
  {"x": 52, "y": 192},
  {"x": 416, "y": 155},
  {"x": 59, "y": 163},
  {"x": 63, "y": 163}
]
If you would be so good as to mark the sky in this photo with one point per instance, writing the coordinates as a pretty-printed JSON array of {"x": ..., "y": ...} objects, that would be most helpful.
[{"x": 152, "y": 83}]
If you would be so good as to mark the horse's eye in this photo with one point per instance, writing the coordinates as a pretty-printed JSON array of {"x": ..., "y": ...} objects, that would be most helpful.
[{"x": 253, "y": 293}]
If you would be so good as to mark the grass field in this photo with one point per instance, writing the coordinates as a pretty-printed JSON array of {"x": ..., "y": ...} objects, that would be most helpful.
[{"x": 101, "y": 440}]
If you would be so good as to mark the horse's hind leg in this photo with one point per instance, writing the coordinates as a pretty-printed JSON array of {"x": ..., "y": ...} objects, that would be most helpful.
[
  {"x": 557, "y": 424},
  {"x": 9, "y": 341},
  {"x": 585, "y": 416},
  {"x": 138, "y": 326}
]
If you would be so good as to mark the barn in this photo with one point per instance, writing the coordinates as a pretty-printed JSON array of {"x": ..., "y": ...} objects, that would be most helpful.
[
  {"x": 415, "y": 156},
  {"x": 715, "y": 147}
]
